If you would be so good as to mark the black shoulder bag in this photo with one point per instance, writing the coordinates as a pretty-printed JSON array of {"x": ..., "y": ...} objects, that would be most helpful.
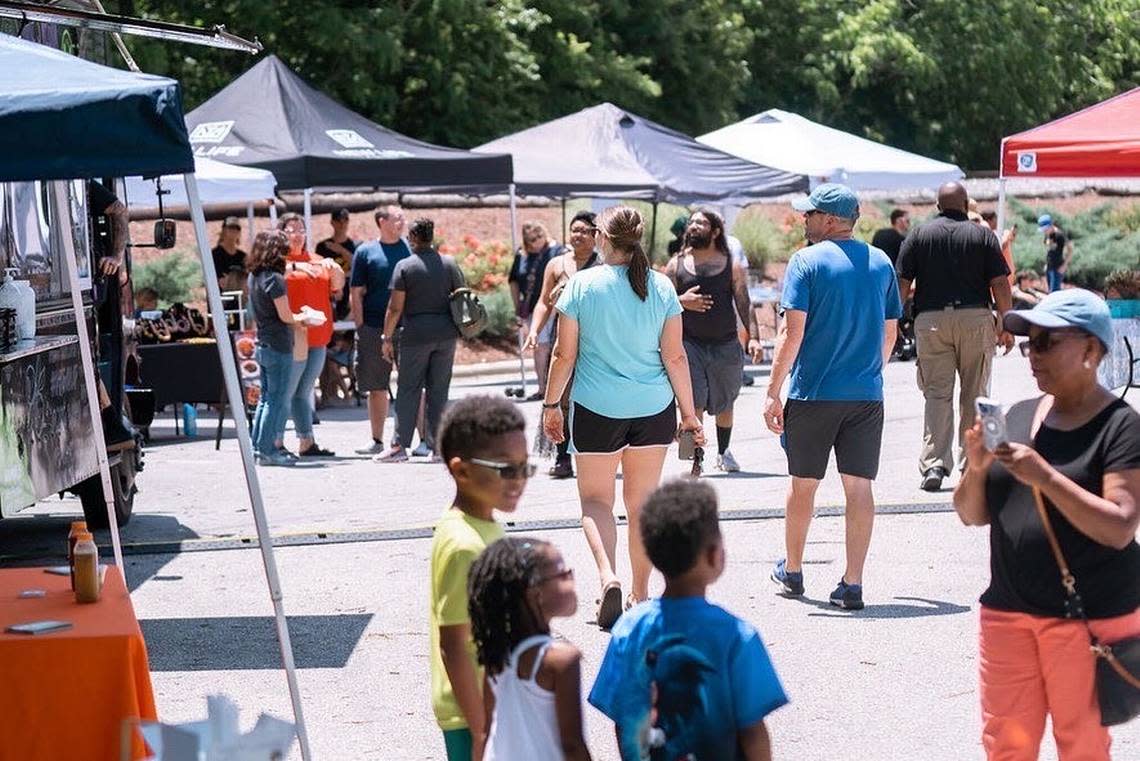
[{"x": 1118, "y": 664}]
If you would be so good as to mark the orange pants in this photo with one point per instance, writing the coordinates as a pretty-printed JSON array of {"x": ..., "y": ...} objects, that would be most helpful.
[{"x": 1031, "y": 667}]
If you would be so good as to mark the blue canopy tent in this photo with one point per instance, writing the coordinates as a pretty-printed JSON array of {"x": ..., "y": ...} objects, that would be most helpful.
[{"x": 64, "y": 118}]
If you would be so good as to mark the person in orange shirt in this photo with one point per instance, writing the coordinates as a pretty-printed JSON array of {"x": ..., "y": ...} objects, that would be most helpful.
[{"x": 315, "y": 282}]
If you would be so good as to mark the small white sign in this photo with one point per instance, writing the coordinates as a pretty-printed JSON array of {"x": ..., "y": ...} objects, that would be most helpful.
[
  {"x": 1027, "y": 161},
  {"x": 211, "y": 132},
  {"x": 349, "y": 138}
]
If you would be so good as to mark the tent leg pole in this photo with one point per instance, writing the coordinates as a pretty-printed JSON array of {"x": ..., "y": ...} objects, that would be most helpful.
[
  {"x": 308, "y": 219},
  {"x": 237, "y": 410},
  {"x": 653, "y": 234},
  {"x": 273, "y": 212},
  {"x": 563, "y": 220},
  {"x": 249, "y": 223},
  {"x": 514, "y": 219},
  {"x": 59, "y": 190},
  {"x": 1001, "y": 207}
]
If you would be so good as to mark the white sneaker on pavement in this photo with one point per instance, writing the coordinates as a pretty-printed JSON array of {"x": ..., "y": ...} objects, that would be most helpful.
[
  {"x": 376, "y": 447},
  {"x": 727, "y": 462},
  {"x": 393, "y": 454},
  {"x": 423, "y": 450}
]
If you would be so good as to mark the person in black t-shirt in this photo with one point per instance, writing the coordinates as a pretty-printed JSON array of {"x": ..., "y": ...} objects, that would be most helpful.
[
  {"x": 229, "y": 259},
  {"x": 959, "y": 276},
  {"x": 340, "y": 248},
  {"x": 890, "y": 239},
  {"x": 1080, "y": 447},
  {"x": 1058, "y": 252}
]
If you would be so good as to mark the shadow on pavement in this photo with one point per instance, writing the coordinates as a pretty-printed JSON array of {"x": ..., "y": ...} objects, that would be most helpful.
[
  {"x": 889, "y": 610},
  {"x": 250, "y": 643}
]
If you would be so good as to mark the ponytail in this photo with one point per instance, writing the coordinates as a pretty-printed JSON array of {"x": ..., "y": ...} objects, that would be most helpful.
[{"x": 639, "y": 272}]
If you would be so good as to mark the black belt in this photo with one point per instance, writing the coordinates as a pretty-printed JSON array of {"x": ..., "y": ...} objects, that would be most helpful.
[{"x": 956, "y": 305}]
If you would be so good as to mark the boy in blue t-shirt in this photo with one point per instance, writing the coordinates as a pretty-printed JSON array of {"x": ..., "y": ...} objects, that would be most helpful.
[{"x": 683, "y": 678}]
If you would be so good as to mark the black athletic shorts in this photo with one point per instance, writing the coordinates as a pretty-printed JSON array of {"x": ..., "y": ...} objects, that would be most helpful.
[
  {"x": 591, "y": 433},
  {"x": 854, "y": 429}
]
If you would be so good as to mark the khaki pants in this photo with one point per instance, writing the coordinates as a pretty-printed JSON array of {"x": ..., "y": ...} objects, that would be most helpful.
[{"x": 951, "y": 342}]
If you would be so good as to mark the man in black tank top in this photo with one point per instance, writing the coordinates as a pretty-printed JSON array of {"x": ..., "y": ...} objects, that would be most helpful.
[{"x": 714, "y": 292}]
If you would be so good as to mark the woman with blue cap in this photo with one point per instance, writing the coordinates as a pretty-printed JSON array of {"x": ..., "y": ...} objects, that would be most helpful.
[{"x": 1061, "y": 486}]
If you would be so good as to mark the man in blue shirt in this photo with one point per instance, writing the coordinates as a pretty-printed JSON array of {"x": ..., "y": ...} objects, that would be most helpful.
[
  {"x": 841, "y": 306},
  {"x": 372, "y": 266}
]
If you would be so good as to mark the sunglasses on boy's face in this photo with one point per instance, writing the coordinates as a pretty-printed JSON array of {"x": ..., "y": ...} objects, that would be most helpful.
[
  {"x": 1046, "y": 340},
  {"x": 507, "y": 471}
]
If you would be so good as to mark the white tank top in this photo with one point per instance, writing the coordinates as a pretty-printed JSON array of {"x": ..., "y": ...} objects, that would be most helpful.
[{"x": 524, "y": 725}]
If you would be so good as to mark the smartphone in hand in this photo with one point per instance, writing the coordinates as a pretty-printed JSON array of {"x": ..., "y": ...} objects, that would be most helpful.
[
  {"x": 992, "y": 417},
  {"x": 686, "y": 445}
]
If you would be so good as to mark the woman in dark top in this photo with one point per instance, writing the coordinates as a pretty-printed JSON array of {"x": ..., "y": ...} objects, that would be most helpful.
[
  {"x": 275, "y": 333},
  {"x": 1080, "y": 446}
]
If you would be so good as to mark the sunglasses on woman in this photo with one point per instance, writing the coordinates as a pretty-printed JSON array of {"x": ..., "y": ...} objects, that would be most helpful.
[
  {"x": 1046, "y": 340},
  {"x": 507, "y": 471}
]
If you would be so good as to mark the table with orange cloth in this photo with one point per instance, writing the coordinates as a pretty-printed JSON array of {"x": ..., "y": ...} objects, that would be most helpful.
[{"x": 66, "y": 694}]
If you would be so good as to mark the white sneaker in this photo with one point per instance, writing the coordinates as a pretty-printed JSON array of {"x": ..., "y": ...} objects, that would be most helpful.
[
  {"x": 423, "y": 450},
  {"x": 376, "y": 447},
  {"x": 392, "y": 454},
  {"x": 727, "y": 462}
]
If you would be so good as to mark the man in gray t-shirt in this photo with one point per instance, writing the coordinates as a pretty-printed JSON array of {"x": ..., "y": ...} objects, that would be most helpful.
[{"x": 421, "y": 289}]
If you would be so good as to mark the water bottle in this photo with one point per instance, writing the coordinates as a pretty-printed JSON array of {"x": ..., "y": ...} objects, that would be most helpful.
[{"x": 190, "y": 419}]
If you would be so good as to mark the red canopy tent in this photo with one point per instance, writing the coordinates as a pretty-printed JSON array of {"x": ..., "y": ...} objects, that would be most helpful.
[{"x": 1099, "y": 141}]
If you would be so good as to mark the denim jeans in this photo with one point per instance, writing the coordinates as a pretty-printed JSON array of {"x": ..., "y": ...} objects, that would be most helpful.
[
  {"x": 304, "y": 377},
  {"x": 1054, "y": 278},
  {"x": 276, "y": 389}
]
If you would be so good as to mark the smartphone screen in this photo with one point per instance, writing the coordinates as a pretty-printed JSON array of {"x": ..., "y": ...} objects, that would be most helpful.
[
  {"x": 38, "y": 627},
  {"x": 993, "y": 422}
]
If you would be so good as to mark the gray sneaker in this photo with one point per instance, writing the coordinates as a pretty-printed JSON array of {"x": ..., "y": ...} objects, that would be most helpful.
[
  {"x": 727, "y": 463},
  {"x": 276, "y": 459},
  {"x": 376, "y": 447},
  {"x": 423, "y": 450},
  {"x": 392, "y": 454}
]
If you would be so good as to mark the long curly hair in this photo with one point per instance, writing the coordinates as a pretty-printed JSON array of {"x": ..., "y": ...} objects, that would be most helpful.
[
  {"x": 496, "y": 598},
  {"x": 624, "y": 227},
  {"x": 269, "y": 250}
]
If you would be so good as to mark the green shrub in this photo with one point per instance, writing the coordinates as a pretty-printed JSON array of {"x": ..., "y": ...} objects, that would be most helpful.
[
  {"x": 765, "y": 240},
  {"x": 175, "y": 276},
  {"x": 1103, "y": 241},
  {"x": 500, "y": 312}
]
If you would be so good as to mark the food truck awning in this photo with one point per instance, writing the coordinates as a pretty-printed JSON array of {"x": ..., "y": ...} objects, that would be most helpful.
[{"x": 62, "y": 118}]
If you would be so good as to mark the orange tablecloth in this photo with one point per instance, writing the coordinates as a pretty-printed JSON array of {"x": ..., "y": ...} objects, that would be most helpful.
[{"x": 65, "y": 695}]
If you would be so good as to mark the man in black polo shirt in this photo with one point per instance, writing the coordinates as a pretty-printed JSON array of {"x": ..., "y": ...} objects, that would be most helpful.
[
  {"x": 890, "y": 239},
  {"x": 955, "y": 266}
]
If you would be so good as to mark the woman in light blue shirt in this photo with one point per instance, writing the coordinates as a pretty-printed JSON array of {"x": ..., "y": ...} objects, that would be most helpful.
[{"x": 619, "y": 334}]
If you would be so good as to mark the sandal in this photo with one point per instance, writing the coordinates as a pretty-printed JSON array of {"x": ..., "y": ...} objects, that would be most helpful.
[
  {"x": 630, "y": 601},
  {"x": 609, "y": 607}
]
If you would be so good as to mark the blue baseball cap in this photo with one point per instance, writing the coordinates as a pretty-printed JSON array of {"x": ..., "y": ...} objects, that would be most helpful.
[
  {"x": 830, "y": 198},
  {"x": 1044, "y": 221},
  {"x": 1068, "y": 308}
]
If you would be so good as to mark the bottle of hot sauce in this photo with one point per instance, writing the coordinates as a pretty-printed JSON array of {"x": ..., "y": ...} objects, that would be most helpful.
[
  {"x": 77, "y": 528},
  {"x": 87, "y": 583}
]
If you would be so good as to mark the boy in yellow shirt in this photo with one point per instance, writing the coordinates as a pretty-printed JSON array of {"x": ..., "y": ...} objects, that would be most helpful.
[{"x": 482, "y": 440}]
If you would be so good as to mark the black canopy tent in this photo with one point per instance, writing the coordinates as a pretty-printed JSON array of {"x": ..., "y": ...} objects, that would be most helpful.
[
  {"x": 271, "y": 118},
  {"x": 64, "y": 118},
  {"x": 608, "y": 151}
]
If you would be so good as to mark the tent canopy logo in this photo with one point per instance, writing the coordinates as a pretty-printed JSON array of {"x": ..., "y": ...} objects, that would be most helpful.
[
  {"x": 1027, "y": 161},
  {"x": 349, "y": 138},
  {"x": 211, "y": 132}
]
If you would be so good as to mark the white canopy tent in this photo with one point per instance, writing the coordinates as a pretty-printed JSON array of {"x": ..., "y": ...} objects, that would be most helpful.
[
  {"x": 788, "y": 141},
  {"x": 218, "y": 183}
]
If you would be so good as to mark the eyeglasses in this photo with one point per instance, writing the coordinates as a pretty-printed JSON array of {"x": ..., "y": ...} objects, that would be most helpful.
[
  {"x": 812, "y": 211},
  {"x": 507, "y": 471},
  {"x": 1045, "y": 340},
  {"x": 583, "y": 230},
  {"x": 564, "y": 574}
]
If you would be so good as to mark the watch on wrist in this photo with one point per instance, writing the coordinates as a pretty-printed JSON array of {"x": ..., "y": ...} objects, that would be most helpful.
[{"x": 556, "y": 405}]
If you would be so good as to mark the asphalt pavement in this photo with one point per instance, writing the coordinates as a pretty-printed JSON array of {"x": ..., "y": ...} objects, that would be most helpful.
[{"x": 897, "y": 680}]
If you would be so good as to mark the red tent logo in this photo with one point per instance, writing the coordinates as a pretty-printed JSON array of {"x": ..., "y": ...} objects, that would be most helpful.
[{"x": 1027, "y": 161}]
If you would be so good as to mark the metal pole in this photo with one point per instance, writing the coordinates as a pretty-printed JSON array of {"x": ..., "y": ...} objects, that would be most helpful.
[
  {"x": 249, "y": 223},
  {"x": 653, "y": 233},
  {"x": 308, "y": 219},
  {"x": 564, "y": 220},
  {"x": 237, "y": 409},
  {"x": 514, "y": 244},
  {"x": 1001, "y": 189},
  {"x": 59, "y": 190},
  {"x": 273, "y": 212}
]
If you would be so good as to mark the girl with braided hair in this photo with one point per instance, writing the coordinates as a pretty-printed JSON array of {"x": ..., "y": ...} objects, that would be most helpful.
[{"x": 532, "y": 683}]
